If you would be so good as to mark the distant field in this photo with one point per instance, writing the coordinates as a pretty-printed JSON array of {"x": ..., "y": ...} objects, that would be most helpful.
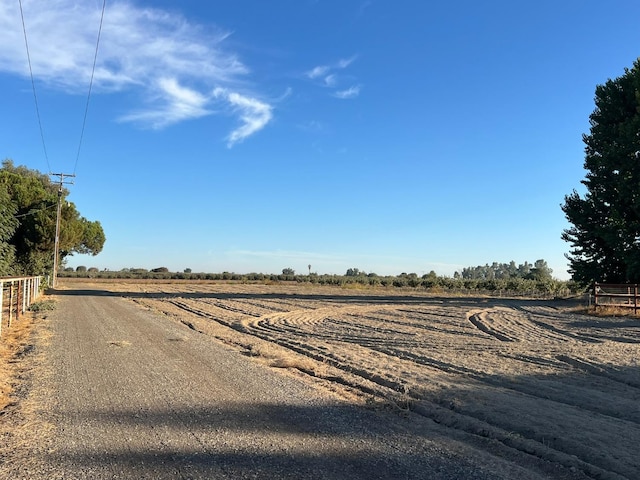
[{"x": 505, "y": 374}]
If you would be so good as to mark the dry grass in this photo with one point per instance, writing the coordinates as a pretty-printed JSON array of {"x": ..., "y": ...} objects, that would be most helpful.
[
  {"x": 279, "y": 357},
  {"x": 23, "y": 394},
  {"x": 611, "y": 311},
  {"x": 14, "y": 344}
]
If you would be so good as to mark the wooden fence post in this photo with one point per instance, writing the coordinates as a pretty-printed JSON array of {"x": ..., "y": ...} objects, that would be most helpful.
[
  {"x": 18, "y": 300},
  {"x": 24, "y": 295},
  {"x": 1, "y": 304},
  {"x": 10, "y": 303}
]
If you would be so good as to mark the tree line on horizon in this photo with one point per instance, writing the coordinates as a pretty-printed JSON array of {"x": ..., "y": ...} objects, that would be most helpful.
[
  {"x": 539, "y": 271},
  {"x": 470, "y": 280}
]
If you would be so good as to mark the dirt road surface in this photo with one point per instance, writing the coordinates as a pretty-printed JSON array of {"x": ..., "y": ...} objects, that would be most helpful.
[{"x": 151, "y": 382}]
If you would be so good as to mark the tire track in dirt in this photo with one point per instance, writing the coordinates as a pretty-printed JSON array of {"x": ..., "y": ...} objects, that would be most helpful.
[
  {"x": 510, "y": 325},
  {"x": 594, "y": 369}
]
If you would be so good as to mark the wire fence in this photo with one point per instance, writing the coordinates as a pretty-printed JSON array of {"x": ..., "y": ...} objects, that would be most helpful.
[{"x": 16, "y": 295}]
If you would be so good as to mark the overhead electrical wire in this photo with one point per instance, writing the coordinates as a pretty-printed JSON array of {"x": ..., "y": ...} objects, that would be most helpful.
[
  {"x": 35, "y": 97},
  {"x": 93, "y": 70},
  {"x": 34, "y": 211},
  {"x": 33, "y": 86}
]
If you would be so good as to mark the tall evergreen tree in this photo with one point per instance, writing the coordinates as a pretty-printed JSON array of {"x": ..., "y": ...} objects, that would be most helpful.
[
  {"x": 8, "y": 226},
  {"x": 605, "y": 236}
]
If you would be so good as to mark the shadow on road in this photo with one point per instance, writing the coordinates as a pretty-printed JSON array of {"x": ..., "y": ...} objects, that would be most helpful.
[{"x": 263, "y": 441}]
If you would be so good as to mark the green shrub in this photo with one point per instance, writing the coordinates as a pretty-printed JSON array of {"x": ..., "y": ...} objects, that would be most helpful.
[{"x": 43, "y": 306}]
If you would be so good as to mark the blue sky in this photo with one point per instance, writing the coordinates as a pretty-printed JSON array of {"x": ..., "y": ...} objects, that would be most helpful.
[{"x": 250, "y": 136}]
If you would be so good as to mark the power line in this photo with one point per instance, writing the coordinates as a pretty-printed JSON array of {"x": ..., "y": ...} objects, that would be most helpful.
[
  {"x": 61, "y": 176},
  {"x": 33, "y": 85},
  {"x": 86, "y": 109},
  {"x": 34, "y": 211},
  {"x": 35, "y": 97}
]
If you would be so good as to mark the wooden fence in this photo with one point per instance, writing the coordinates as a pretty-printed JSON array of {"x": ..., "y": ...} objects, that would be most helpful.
[
  {"x": 610, "y": 295},
  {"x": 16, "y": 295}
]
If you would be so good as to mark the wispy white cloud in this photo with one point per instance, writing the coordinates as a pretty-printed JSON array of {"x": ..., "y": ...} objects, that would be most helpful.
[
  {"x": 177, "y": 103},
  {"x": 254, "y": 114},
  {"x": 322, "y": 70},
  {"x": 330, "y": 76},
  {"x": 331, "y": 80},
  {"x": 345, "y": 62},
  {"x": 318, "y": 71},
  {"x": 351, "y": 92},
  {"x": 287, "y": 93},
  {"x": 170, "y": 62}
]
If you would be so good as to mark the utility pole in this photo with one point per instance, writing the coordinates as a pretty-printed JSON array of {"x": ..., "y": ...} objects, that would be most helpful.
[{"x": 61, "y": 176}]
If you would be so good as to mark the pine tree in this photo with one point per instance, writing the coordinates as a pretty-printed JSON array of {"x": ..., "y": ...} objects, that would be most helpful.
[
  {"x": 605, "y": 236},
  {"x": 8, "y": 225}
]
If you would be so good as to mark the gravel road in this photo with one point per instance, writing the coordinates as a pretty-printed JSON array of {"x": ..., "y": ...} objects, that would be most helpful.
[{"x": 122, "y": 392}]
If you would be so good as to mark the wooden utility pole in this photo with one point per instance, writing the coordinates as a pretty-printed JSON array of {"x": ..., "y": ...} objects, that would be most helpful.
[{"x": 62, "y": 176}]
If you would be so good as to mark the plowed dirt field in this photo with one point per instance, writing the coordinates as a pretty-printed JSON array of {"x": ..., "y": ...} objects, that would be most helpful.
[{"x": 532, "y": 377}]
